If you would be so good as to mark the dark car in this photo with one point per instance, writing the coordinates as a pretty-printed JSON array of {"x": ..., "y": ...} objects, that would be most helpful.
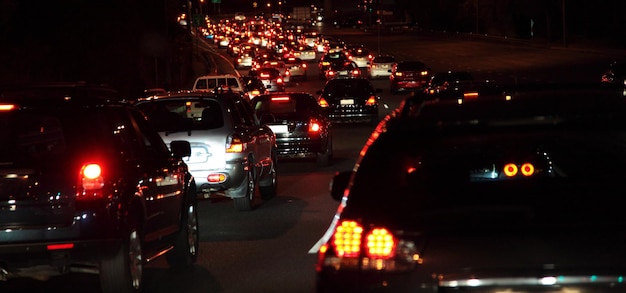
[
  {"x": 342, "y": 69},
  {"x": 350, "y": 99},
  {"x": 301, "y": 127},
  {"x": 448, "y": 80},
  {"x": 329, "y": 58},
  {"x": 232, "y": 153},
  {"x": 519, "y": 191},
  {"x": 409, "y": 76},
  {"x": 87, "y": 185},
  {"x": 616, "y": 74}
]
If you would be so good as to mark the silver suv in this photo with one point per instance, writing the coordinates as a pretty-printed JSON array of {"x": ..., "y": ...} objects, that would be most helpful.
[{"x": 230, "y": 151}]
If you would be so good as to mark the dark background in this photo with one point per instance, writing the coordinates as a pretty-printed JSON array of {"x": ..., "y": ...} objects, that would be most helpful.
[{"x": 134, "y": 45}]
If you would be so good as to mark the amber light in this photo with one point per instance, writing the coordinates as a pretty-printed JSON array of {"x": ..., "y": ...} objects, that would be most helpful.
[
  {"x": 510, "y": 170},
  {"x": 323, "y": 103},
  {"x": 235, "y": 145},
  {"x": 216, "y": 178},
  {"x": 347, "y": 239},
  {"x": 380, "y": 243},
  {"x": 527, "y": 169},
  {"x": 470, "y": 95},
  {"x": 371, "y": 101}
]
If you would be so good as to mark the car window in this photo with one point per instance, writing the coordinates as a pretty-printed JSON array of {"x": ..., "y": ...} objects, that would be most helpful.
[
  {"x": 410, "y": 66},
  {"x": 384, "y": 60},
  {"x": 348, "y": 86},
  {"x": 183, "y": 114}
]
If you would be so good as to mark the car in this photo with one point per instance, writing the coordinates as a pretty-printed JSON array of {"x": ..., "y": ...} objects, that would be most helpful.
[
  {"x": 244, "y": 60},
  {"x": 361, "y": 56},
  {"x": 448, "y": 80},
  {"x": 232, "y": 153},
  {"x": 220, "y": 82},
  {"x": 409, "y": 76},
  {"x": 271, "y": 78},
  {"x": 283, "y": 69},
  {"x": 497, "y": 194},
  {"x": 88, "y": 186},
  {"x": 380, "y": 66},
  {"x": 297, "y": 68},
  {"x": 254, "y": 86},
  {"x": 342, "y": 69},
  {"x": 304, "y": 52},
  {"x": 300, "y": 124},
  {"x": 615, "y": 74},
  {"x": 327, "y": 59},
  {"x": 350, "y": 100}
]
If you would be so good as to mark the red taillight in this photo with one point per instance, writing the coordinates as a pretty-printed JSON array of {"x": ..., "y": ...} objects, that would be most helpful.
[
  {"x": 303, "y": 65},
  {"x": 380, "y": 243},
  {"x": 60, "y": 246},
  {"x": 323, "y": 103},
  {"x": 7, "y": 107},
  {"x": 371, "y": 101},
  {"x": 279, "y": 80},
  {"x": 90, "y": 182},
  {"x": 510, "y": 170},
  {"x": 347, "y": 239},
  {"x": 216, "y": 178},
  {"x": 527, "y": 169},
  {"x": 235, "y": 145},
  {"x": 356, "y": 72},
  {"x": 314, "y": 126}
]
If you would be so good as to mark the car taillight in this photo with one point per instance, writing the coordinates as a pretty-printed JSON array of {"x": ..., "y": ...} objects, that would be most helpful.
[
  {"x": 356, "y": 72},
  {"x": 398, "y": 74},
  {"x": 371, "y": 101},
  {"x": 424, "y": 73},
  {"x": 323, "y": 103},
  {"x": 511, "y": 169},
  {"x": 279, "y": 80},
  {"x": 380, "y": 243},
  {"x": 7, "y": 107},
  {"x": 90, "y": 182},
  {"x": 303, "y": 65},
  {"x": 235, "y": 145},
  {"x": 287, "y": 72},
  {"x": 347, "y": 239},
  {"x": 314, "y": 126},
  {"x": 331, "y": 73}
]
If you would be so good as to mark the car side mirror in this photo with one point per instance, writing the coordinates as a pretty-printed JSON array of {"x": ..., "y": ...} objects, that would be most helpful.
[
  {"x": 180, "y": 148},
  {"x": 339, "y": 183}
]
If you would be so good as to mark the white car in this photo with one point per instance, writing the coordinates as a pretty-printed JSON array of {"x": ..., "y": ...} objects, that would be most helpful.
[{"x": 381, "y": 66}]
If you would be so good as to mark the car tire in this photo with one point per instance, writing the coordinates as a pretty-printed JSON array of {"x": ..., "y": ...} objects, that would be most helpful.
[
  {"x": 323, "y": 158},
  {"x": 185, "y": 251},
  {"x": 122, "y": 272},
  {"x": 268, "y": 186},
  {"x": 244, "y": 203}
]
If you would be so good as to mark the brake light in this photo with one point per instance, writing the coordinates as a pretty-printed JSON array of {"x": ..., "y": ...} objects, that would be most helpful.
[
  {"x": 314, "y": 126},
  {"x": 323, "y": 103},
  {"x": 279, "y": 80},
  {"x": 511, "y": 169},
  {"x": 216, "y": 178},
  {"x": 90, "y": 182},
  {"x": 424, "y": 73},
  {"x": 380, "y": 243},
  {"x": 235, "y": 145},
  {"x": 356, "y": 72},
  {"x": 347, "y": 239},
  {"x": 280, "y": 99},
  {"x": 399, "y": 74},
  {"x": 7, "y": 107},
  {"x": 287, "y": 72},
  {"x": 331, "y": 73},
  {"x": 371, "y": 101},
  {"x": 470, "y": 95},
  {"x": 60, "y": 246}
]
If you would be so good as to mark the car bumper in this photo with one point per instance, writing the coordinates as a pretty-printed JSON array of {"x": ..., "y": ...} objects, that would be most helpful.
[
  {"x": 234, "y": 172},
  {"x": 299, "y": 147}
]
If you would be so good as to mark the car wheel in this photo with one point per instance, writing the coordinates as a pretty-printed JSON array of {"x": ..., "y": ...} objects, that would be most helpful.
[
  {"x": 323, "y": 158},
  {"x": 187, "y": 244},
  {"x": 244, "y": 203},
  {"x": 269, "y": 185},
  {"x": 123, "y": 271}
]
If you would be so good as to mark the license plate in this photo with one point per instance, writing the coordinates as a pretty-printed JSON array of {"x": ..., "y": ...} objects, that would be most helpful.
[
  {"x": 278, "y": 128},
  {"x": 347, "y": 102}
]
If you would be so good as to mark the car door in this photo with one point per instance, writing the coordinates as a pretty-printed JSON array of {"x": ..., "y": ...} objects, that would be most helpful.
[
  {"x": 163, "y": 186},
  {"x": 261, "y": 138}
]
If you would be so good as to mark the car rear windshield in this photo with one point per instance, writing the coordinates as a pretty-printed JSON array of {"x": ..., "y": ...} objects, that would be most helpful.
[
  {"x": 183, "y": 114},
  {"x": 348, "y": 87},
  {"x": 384, "y": 60},
  {"x": 411, "y": 66},
  {"x": 285, "y": 105}
]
